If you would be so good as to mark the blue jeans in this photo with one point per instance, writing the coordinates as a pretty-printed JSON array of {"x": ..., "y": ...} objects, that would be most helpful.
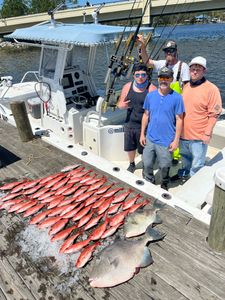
[
  {"x": 163, "y": 155},
  {"x": 193, "y": 153}
]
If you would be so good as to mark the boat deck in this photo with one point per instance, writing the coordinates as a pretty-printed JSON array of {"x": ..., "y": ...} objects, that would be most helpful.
[{"x": 184, "y": 267}]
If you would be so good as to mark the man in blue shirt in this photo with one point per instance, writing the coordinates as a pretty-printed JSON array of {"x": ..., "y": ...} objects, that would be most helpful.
[{"x": 163, "y": 118}]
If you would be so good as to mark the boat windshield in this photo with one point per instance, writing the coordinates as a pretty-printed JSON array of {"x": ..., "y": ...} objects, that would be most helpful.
[{"x": 48, "y": 62}]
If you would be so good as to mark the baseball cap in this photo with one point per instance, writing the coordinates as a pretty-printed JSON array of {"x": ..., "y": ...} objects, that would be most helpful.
[
  {"x": 198, "y": 60},
  {"x": 165, "y": 72},
  {"x": 170, "y": 45}
]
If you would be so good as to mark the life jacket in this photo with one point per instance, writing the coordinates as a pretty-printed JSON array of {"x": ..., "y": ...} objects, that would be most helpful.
[{"x": 176, "y": 86}]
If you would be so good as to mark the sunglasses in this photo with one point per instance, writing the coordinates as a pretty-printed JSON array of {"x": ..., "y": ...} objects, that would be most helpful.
[
  {"x": 161, "y": 78},
  {"x": 170, "y": 50},
  {"x": 142, "y": 75}
]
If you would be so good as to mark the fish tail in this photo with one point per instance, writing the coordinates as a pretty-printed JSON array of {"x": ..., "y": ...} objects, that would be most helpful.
[
  {"x": 157, "y": 204},
  {"x": 153, "y": 235}
]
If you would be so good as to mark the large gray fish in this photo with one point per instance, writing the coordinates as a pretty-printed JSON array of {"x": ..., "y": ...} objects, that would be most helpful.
[
  {"x": 137, "y": 223},
  {"x": 120, "y": 261}
]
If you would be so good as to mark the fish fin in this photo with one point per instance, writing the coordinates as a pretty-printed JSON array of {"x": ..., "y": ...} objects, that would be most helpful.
[
  {"x": 157, "y": 204},
  {"x": 146, "y": 258},
  {"x": 153, "y": 234},
  {"x": 157, "y": 220}
]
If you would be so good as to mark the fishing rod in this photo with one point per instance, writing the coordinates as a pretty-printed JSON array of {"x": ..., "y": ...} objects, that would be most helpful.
[
  {"x": 113, "y": 57},
  {"x": 125, "y": 62}
]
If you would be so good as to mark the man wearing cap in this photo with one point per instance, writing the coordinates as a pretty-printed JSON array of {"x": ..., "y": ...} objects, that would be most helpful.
[
  {"x": 180, "y": 69},
  {"x": 132, "y": 98},
  {"x": 163, "y": 118},
  {"x": 203, "y": 106}
]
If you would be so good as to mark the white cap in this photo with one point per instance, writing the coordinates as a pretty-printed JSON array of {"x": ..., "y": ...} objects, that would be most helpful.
[{"x": 198, "y": 60}]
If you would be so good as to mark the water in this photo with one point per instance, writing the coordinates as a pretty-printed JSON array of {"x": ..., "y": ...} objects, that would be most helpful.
[{"x": 207, "y": 40}]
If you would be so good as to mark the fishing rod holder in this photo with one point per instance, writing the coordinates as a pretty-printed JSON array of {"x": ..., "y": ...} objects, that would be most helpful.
[
  {"x": 96, "y": 13},
  {"x": 51, "y": 12}
]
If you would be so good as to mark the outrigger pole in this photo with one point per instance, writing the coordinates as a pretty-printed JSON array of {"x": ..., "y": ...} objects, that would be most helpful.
[{"x": 124, "y": 63}]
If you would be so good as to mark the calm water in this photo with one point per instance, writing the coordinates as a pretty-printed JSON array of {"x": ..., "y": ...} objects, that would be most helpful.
[{"x": 207, "y": 40}]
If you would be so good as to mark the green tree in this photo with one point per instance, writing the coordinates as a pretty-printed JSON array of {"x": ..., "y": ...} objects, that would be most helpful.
[
  {"x": 13, "y": 8},
  {"x": 38, "y": 6}
]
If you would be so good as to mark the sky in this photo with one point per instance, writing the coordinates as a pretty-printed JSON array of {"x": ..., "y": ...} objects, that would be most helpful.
[{"x": 82, "y": 2}]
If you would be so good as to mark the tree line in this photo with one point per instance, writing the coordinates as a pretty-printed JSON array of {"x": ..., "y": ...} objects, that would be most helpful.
[{"x": 14, "y": 8}]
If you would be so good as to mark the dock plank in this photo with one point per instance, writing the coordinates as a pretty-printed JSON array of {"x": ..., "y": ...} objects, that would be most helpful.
[{"x": 184, "y": 267}]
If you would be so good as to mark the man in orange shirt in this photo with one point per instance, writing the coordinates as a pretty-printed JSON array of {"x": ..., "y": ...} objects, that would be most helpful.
[
  {"x": 203, "y": 105},
  {"x": 132, "y": 98}
]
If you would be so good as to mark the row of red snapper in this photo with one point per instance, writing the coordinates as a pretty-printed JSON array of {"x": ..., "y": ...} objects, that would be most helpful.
[{"x": 71, "y": 202}]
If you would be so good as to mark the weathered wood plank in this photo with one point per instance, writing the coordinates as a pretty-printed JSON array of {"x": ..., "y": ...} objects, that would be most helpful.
[
  {"x": 2, "y": 296},
  {"x": 11, "y": 284}
]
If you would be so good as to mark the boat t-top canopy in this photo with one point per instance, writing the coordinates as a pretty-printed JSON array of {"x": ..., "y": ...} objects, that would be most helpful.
[{"x": 75, "y": 34}]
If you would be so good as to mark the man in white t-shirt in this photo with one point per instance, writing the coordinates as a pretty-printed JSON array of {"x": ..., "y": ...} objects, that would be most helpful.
[{"x": 180, "y": 69}]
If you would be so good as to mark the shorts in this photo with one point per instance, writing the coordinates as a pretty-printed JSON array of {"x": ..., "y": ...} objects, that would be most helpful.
[{"x": 132, "y": 139}]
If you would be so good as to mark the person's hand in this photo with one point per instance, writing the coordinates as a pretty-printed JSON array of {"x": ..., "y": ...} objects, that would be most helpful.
[
  {"x": 124, "y": 104},
  {"x": 173, "y": 146},
  {"x": 206, "y": 139},
  {"x": 140, "y": 40},
  {"x": 142, "y": 140}
]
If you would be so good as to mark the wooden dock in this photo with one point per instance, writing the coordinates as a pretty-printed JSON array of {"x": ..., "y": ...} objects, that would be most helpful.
[{"x": 184, "y": 267}]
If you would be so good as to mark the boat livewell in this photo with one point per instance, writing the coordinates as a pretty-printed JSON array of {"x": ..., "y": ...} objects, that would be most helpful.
[{"x": 66, "y": 108}]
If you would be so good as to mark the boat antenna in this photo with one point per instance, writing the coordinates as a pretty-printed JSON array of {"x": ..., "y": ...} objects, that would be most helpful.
[
  {"x": 51, "y": 12},
  {"x": 125, "y": 62},
  {"x": 96, "y": 13}
]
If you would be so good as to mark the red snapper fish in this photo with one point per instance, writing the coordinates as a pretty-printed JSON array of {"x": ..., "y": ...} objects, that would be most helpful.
[
  {"x": 69, "y": 241},
  {"x": 10, "y": 196},
  {"x": 27, "y": 205},
  {"x": 86, "y": 255},
  {"x": 113, "y": 209},
  {"x": 7, "y": 204},
  {"x": 98, "y": 232},
  {"x": 11, "y": 185},
  {"x": 110, "y": 231},
  {"x": 118, "y": 218},
  {"x": 94, "y": 221},
  {"x": 33, "y": 210},
  {"x": 49, "y": 222},
  {"x": 127, "y": 204},
  {"x": 39, "y": 217},
  {"x": 58, "y": 226},
  {"x": 103, "y": 189},
  {"x": 97, "y": 185},
  {"x": 48, "y": 178},
  {"x": 81, "y": 213},
  {"x": 63, "y": 233},
  {"x": 77, "y": 247},
  {"x": 70, "y": 168},
  {"x": 122, "y": 196},
  {"x": 138, "y": 205},
  {"x": 112, "y": 192}
]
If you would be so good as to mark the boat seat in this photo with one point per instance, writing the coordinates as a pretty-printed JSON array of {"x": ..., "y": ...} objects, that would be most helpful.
[{"x": 116, "y": 117}]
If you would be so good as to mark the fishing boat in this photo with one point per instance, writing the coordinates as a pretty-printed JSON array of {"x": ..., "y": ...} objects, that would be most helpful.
[{"x": 67, "y": 109}]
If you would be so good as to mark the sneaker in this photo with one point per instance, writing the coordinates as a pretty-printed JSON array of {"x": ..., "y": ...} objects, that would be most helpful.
[
  {"x": 178, "y": 177},
  {"x": 164, "y": 186},
  {"x": 175, "y": 162},
  {"x": 131, "y": 167}
]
